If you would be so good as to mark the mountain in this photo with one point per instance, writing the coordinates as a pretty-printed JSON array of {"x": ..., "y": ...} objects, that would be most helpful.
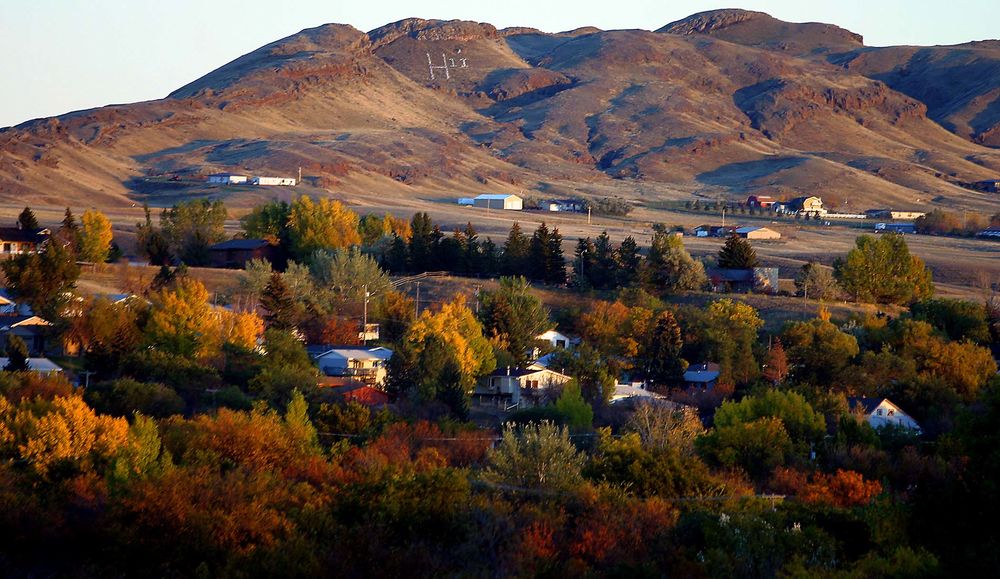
[
  {"x": 725, "y": 103},
  {"x": 959, "y": 84}
]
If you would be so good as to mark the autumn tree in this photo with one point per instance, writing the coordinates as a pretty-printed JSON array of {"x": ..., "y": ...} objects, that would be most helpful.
[
  {"x": 539, "y": 456},
  {"x": 737, "y": 253},
  {"x": 181, "y": 321},
  {"x": 816, "y": 282},
  {"x": 268, "y": 221},
  {"x": 512, "y": 316},
  {"x": 670, "y": 269},
  {"x": 95, "y": 237},
  {"x": 775, "y": 363},
  {"x": 44, "y": 280},
  {"x": 322, "y": 224},
  {"x": 959, "y": 319},
  {"x": 881, "y": 270},
  {"x": 818, "y": 350},
  {"x": 441, "y": 355},
  {"x": 192, "y": 226},
  {"x": 343, "y": 275}
]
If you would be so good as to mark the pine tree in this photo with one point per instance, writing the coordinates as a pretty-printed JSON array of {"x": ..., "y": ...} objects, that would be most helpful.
[
  {"x": 516, "y": 252},
  {"x": 472, "y": 258},
  {"x": 397, "y": 256},
  {"x": 277, "y": 300},
  {"x": 663, "y": 364},
  {"x": 17, "y": 354},
  {"x": 489, "y": 258},
  {"x": 737, "y": 253},
  {"x": 629, "y": 262},
  {"x": 69, "y": 231},
  {"x": 538, "y": 251},
  {"x": 421, "y": 240},
  {"x": 27, "y": 220},
  {"x": 605, "y": 272},
  {"x": 555, "y": 267}
]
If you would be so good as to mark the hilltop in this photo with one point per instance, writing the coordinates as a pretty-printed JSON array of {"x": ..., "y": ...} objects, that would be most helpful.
[{"x": 724, "y": 103}]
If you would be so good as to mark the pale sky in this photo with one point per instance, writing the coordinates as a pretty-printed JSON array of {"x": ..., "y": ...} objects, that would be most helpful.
[{"x": 58, "y": 56}]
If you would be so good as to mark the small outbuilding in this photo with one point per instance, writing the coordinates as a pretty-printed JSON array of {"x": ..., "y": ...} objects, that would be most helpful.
[
  {"x": 273, "y": 181},
  {"x": 499, "y": 201},
  {"x": 227, "y": 179},
  {"x": 235, "y": 253},
  {"x": 753, "y": 232}
]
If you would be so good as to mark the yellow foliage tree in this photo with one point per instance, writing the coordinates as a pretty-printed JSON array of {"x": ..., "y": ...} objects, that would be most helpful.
[
  {"x": 322, "y": 224},
  {"x": 457, "y": 327},
  {"x": 241, "y": 329},
  {"x": 70, "y": 431},
  {"x": 182, "y": 322},
  {"x": 95, "y": 237}
]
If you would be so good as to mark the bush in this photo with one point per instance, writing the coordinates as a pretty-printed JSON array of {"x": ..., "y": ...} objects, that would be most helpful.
[{"x": 125, "y": 396}]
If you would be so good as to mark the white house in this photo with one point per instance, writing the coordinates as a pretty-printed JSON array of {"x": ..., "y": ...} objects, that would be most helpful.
[
  {"x": 227, "y": 179},
  {"x": 499, "y": 201},
  {"x": 285, "y": 181},
  {"x": 557, "y": 339},
  {"x": 9, "y": 306},
  {"x": 881, "y": 412},
  {"x": 518, "y": 387},
  {"x": 367, "y": 365},
  {"x": 39, "y": 365}
]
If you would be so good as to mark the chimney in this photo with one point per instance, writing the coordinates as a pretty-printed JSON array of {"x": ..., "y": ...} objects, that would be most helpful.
[{"x": 508, "y": 370}]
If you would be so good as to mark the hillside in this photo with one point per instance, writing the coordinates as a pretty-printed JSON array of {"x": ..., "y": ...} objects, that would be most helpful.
[{"x": 719, "y": 104}]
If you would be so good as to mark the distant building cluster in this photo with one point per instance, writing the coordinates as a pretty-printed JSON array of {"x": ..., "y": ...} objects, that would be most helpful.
[{"x": 233, "y": 179}]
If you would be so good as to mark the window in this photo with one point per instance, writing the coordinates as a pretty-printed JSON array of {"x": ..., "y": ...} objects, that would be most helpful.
[
  {"x": 6, "y": 248},
  {"x": 879, "y": 412},
  {"x": 892, "y": 412}
]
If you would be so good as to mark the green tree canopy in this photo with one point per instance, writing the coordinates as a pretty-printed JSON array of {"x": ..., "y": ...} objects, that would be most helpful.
[
  {"x": 737, "y": 253},
  {"x": 513, "y": 316},
  {"x": 881, "y": 270},
  {"x": 670, "y": 269}
]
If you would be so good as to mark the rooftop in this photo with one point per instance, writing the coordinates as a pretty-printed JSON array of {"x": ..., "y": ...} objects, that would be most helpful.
[
  {"x": 239, "y": 244},
  {"x": 43, "y": 365}
]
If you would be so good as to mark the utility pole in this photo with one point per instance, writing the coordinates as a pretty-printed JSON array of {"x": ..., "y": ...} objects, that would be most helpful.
[
  {"x": 300, "y": 176},
  {"x": 588, "y": 214},
  {"x": 416, "y": 303},
  {"x": 364, "y": 319}
]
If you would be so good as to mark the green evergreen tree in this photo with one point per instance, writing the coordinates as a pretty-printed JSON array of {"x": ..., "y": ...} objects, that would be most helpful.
[
  {"x": 515, "y": 316},
  {"x": 17, "y": 354},
  {"x": 629, "y": 262},
  {"x": 489, "y": 258},
  {"x": 27, "y": 220},
  {"x": 604, "y": 274},
  {"x": 662, "y": 362},
  {"x": 421, "y": 241},
  {"x": 583, "y": 263},
  {"x": 69, "y": 231},
  {"x": 516, "y": 252},
  {"x": 278, "y": 302},
  {"x": 737, "y": 253},
  {"x": 555, "y": 263}
]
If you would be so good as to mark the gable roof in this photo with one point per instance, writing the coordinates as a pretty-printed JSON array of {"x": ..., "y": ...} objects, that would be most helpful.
[
  {"x": 495, "y": 196},
  {"x": 24, "y": 235},
  {"x": 43, "y": 365},
  {"x": 13, "y": 321},
  {"x": 704, "y": 372},
  {"x": 521, "y": 372},
  {"x": 244, "y": 244},
  {"x": 355, "y": 353},
  {"x": 869, "y": 405}
]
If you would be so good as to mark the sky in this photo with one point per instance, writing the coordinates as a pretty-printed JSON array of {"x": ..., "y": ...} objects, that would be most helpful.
[{"x": 57, "y": 56}]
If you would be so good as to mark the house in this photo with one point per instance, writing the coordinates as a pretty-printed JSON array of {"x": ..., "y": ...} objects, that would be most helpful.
[
  {"x": 702, "y": 376},
  {"x": 39, "y": 365},
  {"x": 354, "y": 391},
  {"x": 760, "y": 201},
  {"x": 893, "y": 214},
  {"x": 272, "y": 181},
  {"x": 895, "y": 228},
  {"x": 564, "y": 205},
  {"x": 758, "y": 279},
  {"x": 518, "y": 387},
  {"x": 15, "y": 241},
  {"x": 365, "y": 365},
  {"x": 809, "y": 206},
  {"x": 235, "y": 253},
  {"x": 32, "y": 329},
  {"x": 990, "y": 233},
  {"x": 10, "y": 306},
  {"x": 882, "y": 412},
  {"x": 499, "y": 201},
  {"x": 634, "y": 392},
  {"x": 557, "y": 339},
  {"x": 753, "y": 232},
  {"x": 714, "y": 230},
  {"x": 227, "y": 179}
]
